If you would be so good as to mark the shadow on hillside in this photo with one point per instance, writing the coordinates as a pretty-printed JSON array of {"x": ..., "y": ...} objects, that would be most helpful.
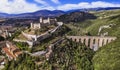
[
  {"x": 76, "y": 17},
  {"x": 114, "y": 17}
]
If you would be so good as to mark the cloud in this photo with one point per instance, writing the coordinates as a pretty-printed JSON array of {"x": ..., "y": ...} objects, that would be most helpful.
[
  {"x": 17, "y": 6},
  {"x": 41, "y": 2},
  {"x": 22, "y": 6},
  {"x": 56, "y": 1},
  {"x": 87, "y": 5},
  {"x": 45, "y": 5}
]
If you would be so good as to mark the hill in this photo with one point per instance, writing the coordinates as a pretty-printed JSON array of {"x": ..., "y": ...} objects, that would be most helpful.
[
  {"x": 105, "y": 18},
  {"x": 110, "y": 51},
  {"x": 76, "y": 17},
  {"x": 107, "y": 57}
]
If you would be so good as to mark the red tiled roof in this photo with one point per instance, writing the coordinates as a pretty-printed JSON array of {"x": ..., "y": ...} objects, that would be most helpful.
[
  {"x": 11, "y": 50},
  {"x": 6, "y": 50},
  {"x": 18, "y": 53},
  {"x": 12, "y": 47}
]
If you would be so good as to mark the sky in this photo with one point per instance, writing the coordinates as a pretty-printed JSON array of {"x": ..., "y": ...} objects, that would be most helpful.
[{"x": 24, "y": 6}]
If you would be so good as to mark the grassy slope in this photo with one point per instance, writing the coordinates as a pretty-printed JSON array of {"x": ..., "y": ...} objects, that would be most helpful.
[
  {"x": 107, "y": 57},
  {"x": 92, "y": 25},
  {"x": 112, "y": 17}
]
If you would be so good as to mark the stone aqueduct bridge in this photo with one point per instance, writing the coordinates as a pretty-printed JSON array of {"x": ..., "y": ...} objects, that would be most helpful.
[{"x": 92, "y": 41}]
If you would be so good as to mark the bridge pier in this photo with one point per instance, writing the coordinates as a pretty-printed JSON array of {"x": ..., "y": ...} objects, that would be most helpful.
[
  {"x": 86, "y": 42},
  {"x": 105, "y": 42},
  {"x": 91, "y": 43},
  {"x": 100, "y": 42}
]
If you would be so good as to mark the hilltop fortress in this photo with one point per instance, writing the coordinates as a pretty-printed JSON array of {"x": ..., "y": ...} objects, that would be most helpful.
[
  {"x": 43, "y": 22},
  {"x": 39, "y": 31}
]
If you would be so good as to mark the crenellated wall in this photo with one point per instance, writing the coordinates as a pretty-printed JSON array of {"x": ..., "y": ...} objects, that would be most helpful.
[{"x": 94, "y": 42}]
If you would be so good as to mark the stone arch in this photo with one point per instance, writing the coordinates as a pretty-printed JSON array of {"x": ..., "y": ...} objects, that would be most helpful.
[
  {"x": 71, "y": 39},
  {"x": 75, "y": 40},
  {"x": 98, "y": 42},
  {"x": 89, "y": 42},
  {"x": 79, "y": 39},
  {"x": 94, "y": 41},
  {"x": 107, "y": 41},
  {"x": 84, "y": 40},
  {"x": 111, "y": 40}
]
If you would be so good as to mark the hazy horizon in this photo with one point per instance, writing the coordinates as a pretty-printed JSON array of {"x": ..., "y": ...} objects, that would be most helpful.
[{"x": 25, "y": 6}]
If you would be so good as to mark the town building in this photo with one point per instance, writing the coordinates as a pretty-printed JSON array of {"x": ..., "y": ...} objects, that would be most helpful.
[
  {"x": 11, "y": 50},
  {"x": 6, "y": 31}
]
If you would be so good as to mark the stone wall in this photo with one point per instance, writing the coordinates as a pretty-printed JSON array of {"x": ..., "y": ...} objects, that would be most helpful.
[{"x": 29, "y": 36}]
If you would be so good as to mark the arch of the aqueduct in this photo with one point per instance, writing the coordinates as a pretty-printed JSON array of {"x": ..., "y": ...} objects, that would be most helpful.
[{"x": 91, "y": 41}]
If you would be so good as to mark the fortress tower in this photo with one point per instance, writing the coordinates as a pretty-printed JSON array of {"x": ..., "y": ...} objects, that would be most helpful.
[
  {"x": 41, "y": 20},
  {"x": 48, "y": 20},
  {"x": 35, "y": 25}
]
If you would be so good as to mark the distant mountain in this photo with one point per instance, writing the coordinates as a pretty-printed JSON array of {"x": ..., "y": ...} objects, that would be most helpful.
[
  {"x": 54, "y": 13},
  {"x": 3, "y": 15},
  {"x": 93, "y": 9},
  {"x": 43, "y": 13}
]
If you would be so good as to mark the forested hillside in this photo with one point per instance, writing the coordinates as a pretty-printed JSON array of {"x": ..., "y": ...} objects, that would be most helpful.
[
  {"x": 69, "y": 55},
  {"x": 76, "y": 17}
]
